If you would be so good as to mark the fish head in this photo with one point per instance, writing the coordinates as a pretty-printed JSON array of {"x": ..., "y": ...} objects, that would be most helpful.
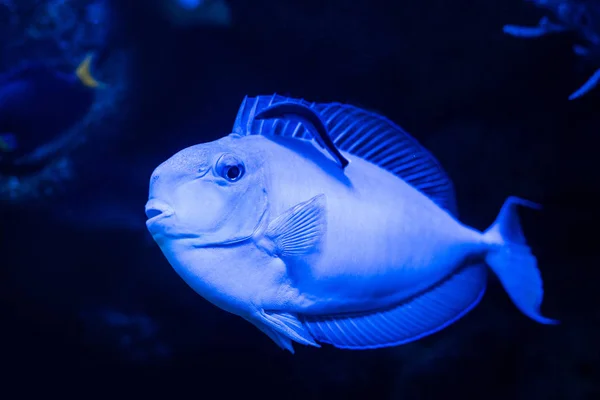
[{"x": 210, "y": 194}]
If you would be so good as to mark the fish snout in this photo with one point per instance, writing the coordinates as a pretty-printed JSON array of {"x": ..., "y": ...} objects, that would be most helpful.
[{"x": 156, "y": 209}]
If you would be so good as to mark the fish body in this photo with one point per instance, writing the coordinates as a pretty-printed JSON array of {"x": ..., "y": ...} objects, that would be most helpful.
[
  {"x": 372, "y": 218},
  {"x": 313, "y": 250},
  {"x": 38, "y": 102}
]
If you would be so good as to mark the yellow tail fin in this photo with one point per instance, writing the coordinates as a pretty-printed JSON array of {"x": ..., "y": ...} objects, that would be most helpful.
[{"x": 84, "y": 74}]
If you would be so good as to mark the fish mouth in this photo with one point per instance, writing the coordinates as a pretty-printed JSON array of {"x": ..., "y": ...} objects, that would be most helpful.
[{"x": 156, "y": 211}]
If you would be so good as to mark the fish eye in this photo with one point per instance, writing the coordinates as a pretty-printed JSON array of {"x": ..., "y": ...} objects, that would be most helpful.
[{"x": 230, "y": 168}]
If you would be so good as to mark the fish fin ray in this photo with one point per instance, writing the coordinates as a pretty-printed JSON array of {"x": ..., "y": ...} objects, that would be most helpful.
[
  {"x": 421, "y": 316},
  {"x": 300, "y": 229},
  {"x": 245, "y": 124},
  {"x": 287, "y": 325},
  {"x": 363, "y": 134}
]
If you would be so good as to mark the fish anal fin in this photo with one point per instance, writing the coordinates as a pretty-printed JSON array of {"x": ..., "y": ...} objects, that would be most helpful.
[
  {"x": 423, "y": 315},
  {"x": 300, "y": 229}
]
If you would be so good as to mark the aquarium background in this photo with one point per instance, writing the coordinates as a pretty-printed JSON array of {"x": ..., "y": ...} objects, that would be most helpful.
[{"x": 90, "y": 306}]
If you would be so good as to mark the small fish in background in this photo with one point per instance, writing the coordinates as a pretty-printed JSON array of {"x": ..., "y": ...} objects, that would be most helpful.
[
  {"x": 325, "y": 223},
  {"x": 196, "y": 12},
  {"x": 579, "y": 16},
  {"x": 39, "y": 102}
]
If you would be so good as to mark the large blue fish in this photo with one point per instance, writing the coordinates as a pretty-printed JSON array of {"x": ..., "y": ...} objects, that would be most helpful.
[{"x": 350, "y": 239}]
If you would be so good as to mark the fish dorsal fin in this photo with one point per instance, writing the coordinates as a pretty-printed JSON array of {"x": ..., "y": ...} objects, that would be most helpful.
[
  {"x": 245, "y": 124},
  {"x": 311, "y": 120},
  {"x": 361, "y": 133}
]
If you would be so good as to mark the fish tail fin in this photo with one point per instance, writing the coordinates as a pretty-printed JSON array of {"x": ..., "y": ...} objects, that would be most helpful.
[
  {"x": 511, "y": 260},
  {"x": 84, "y": 73}
]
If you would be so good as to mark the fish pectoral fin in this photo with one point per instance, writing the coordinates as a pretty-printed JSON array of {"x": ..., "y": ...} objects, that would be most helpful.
[
  {"x": 300, "y": 229},
  {"x": 281, "y": 327},
  {"x": 418, "y": 317}
]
